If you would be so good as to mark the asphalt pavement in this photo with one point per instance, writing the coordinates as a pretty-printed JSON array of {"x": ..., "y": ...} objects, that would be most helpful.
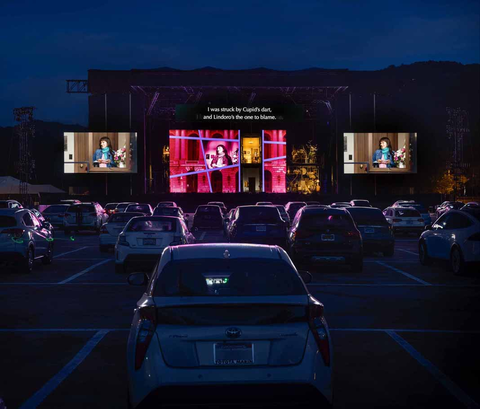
[{"x": 403, "y": 335}]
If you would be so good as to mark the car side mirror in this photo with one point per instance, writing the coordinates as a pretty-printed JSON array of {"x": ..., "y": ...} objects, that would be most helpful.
[
  {"x": 428, "y": 227},
  {"x": 138, "y": 279},
  {"x": 306, "y": 276}
]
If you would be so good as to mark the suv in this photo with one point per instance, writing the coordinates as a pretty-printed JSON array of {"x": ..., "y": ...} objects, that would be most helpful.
[
  {"x": 84, "y": 216},
  {"x": 10, "y": 204},
  {"x": 325, "y": 235},
  {"x": 360, "y": 202},
  {"x": 23, "y": 238},
  {"x": 293, "y": 207}
]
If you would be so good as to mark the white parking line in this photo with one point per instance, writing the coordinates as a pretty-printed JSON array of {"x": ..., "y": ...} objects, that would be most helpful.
[
  {"x": 432, "y": 331},
  {"x": 408, "y": 251},
  {"x": 84, "y": 259},
  {"x": 62, "y": 329},
  {"x": 451, "y": 386},
  {"x": 85, "y": 271},
  {"x": 403, "y": 272},
  {"x": 70, "y": 252},
  {"x": 53, "y": 383}
]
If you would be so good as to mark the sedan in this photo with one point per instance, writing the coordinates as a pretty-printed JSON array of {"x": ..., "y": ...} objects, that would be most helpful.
[
  {"x": 455, "y": 238},
  {"x": 144, "y": 238},
  {"x": 223, "y": 323},
  {"x": 114, "y": 226}
]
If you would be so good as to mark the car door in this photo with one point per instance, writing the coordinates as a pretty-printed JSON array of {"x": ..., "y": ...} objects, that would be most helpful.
[
  {"x": 437, "y": 241},
  {"x": 37, "y": 235},
  {"x": 457, "y": 224}
]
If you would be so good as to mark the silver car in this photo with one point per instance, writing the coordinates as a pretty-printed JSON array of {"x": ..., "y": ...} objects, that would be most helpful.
[{"x": 222, "y": 323}]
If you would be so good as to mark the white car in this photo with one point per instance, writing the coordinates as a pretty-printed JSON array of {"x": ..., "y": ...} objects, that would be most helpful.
[
  {"x": 228, "y": 323},
  {"x": 404, "y": 219},
  {"x": 143, "y": 239},
  {"x": 112, "y": 228},
  {"x": 454, "y": 237},
  {"x": 144, "y": 208},
  {"x": 23, "y": 239},
  {"x": 84, "y": 216},
  {"x": 10, "y": 204}
]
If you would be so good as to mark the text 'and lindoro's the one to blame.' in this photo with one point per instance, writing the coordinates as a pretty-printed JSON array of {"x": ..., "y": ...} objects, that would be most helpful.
[{"x": 239, "y": 114}]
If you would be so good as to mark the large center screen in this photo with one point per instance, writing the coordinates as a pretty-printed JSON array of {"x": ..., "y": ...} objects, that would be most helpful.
[
  {"x": 100, "y": 152},
  {"x": 391, "y": 153}
]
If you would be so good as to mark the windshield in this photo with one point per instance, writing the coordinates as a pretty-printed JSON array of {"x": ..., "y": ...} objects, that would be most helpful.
[
  {"x": 367, "y": 217},
  {"x": 228, "y": 277},
  {"x": 152, "y": 225},
  {"x": 259, "y": 215},
  {"x": 407, "y": 213}
]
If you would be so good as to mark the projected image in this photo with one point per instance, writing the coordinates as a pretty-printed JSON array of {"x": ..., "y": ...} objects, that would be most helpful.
[
  {"x": 274, "y": 160},
  {"x": 204, "y": 161},
  {"x": 380, "y": 153},
  {"x": 100, "y": 152}
]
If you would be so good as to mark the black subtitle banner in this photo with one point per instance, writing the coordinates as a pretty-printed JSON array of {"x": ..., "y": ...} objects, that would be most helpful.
[{"x": 239, "y": 113}]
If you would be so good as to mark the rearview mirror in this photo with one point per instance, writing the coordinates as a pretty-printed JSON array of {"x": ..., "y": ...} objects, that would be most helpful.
[
  {"x": 306, "y": 276},
  {"x": 138, "y": 279}
]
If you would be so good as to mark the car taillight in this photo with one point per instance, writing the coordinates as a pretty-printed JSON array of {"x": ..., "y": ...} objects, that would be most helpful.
[
  {"x": 15, "y": 233},
  {"x": 353, "y": 234},
  {"x": 146, "y": 329},
  {"x": 475, "y": 237},
  {"x": 317, "y": 324},
  {"x": 302, "y": 234},
  {"x": 122, "y": 241},
  {"x": 104, "y": 230},
  {"x": 396, "y": 220}
]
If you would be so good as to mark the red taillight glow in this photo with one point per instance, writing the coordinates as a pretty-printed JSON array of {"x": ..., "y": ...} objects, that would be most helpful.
[
  {"x": 352, "y": 234},
  {"x": 302, "y": 234},
  {"x": 16, "y": 233},
  {"x": 146, "y": 329},
  {"x": 316, "y": 323}
]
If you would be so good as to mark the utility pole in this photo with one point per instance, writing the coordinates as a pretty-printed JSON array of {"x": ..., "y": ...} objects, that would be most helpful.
[{"x": 25, "y": 132}]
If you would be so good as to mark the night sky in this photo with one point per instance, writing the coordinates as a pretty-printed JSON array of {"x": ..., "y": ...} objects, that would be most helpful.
[{"x": 44, "y": 43}]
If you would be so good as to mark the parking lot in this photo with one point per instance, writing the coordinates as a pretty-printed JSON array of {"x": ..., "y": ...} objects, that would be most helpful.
[{"x": 403, "y": 335}]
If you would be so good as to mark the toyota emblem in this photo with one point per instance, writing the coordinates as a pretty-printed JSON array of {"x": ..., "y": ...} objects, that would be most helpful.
[{"x": 233, "y": 333}]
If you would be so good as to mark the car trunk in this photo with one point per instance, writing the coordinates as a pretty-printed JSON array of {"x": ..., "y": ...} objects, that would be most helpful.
[
  {"x": 261, "y": 229},
  {"x": 150, "y": 239},
  {"x": 114, "y": 228},
  {"x": 212, "y": 333},
  {"x": 367, "y": 229}
]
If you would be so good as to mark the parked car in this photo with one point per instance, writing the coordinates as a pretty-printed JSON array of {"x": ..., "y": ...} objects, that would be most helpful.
[
  {"x": 283, "y": 213},
  {"x": 455, "y": 238},
  {"x": 423, "y": 212},
  {"x": 323, "y": 235},
  {"x": 10, "y": 204},
  {"x": 208, "y": 217},
  {"x": 84, "y": 216},
  {"x": 447, "y": 206},
  {"x": 23, "y": 240},
  {"x": 221, "y": 204},
  {"x": 340, "y": 205},
  {"x": 144, "y": 208},
  {"x": 258, "y": 224},
  {"x": 143, "y": 239},
  {"x": 293, "y": 207},
  {"x": 471, "y": 204},
  {"x": 405, "y": 220},
  {"x": 44, "y": 222},
  {"x": 313, "y": 203},
  {"x": 122, "y": 206},
  {"x": 55, "y": 214},
  {"x": 70, "y": 201},
  {"x": 399, "y": 203},
  {"x": 167, "y": 203},
  {"x": 113, "y": 227},
  {"x": 377, "y": 234},
  {"x": 264, "y": 204},
  {"x": 110, "y": 208},
  {"x": 250, "y": 330},
  {"x": 170, "y": 211},
  {"x": 360, "y": 202}
]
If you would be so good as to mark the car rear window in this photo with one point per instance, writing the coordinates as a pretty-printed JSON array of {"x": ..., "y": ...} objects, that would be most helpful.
[
  {"x": 407, "y": 213},
  {"x": 315, "y": 221},
  {"x": 122, "y": 206},
  {"x": 259, "y": 215},
  {"x": 7, "y": 221},
  {"x": 166, "y": 211},
  {"x": 365, "y": 203},
  {"x": 55, "y": 209},
  {"x": 475, "y": 212},
  {"x": 138, "y": 208},
  {"x": 418, "y": 207},
  {"x": 208, "y": 209},
  {"x": 228, "y": 277},
  {"x": 110, "y": 206},
  {"x": 122, "y": 217},
  {"x": 152, "y": 225},
  {"x": 84, "y": 208},
  {"x": 367, "y": 217}
]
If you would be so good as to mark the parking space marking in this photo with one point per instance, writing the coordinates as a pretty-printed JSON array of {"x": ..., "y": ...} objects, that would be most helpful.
[
  {"x": 429, "y": 331},
  {"x": 84, "y": 259},
  {"x": 85, "y": 271},
  {"x": 53, "y": 383},
  {"x": 408, "y": 251},
  {"x": 403, "y": 272},
  {"x": 451, "y": 386},
  {"x": 70, "y": 252},
  {"x": 62, "y": 329}
]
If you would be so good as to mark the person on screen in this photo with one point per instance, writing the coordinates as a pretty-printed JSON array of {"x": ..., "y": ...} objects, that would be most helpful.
[
  {"x": 105, "y": 154},
  {"x": 221, "y": 159},
  {"x": 383, "y": 156}
]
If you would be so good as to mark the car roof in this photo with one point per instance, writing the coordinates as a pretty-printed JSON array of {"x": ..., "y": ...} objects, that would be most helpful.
[{"x": 217, "y": 250}]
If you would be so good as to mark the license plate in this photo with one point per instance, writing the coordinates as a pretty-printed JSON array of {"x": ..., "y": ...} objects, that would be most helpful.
[
  {"x": 370, "y": 230},
  {"x": 328, "y": 237},
  {"x": 149, "y": 242},
  {"x": 233, "y": 354},
  {"x": 261, "y": 228}
]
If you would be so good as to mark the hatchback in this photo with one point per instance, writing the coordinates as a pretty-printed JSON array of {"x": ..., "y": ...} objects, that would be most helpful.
[
  {"x": 84, "y": 216},
  {"x": 293, "y": 207},
  {"x": 405, "y": 220},
  {"x": 228, "y": 323},
  {"x": 421, "y": 209},
  {"x": 322, "y": 235},
  {"x": 208, "y": 217},
  {"x": 221, "y": 205},
  {"x": 113, "y": 227}
]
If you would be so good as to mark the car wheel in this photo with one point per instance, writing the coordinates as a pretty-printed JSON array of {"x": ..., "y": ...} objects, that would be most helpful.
[
  {"x": 48, "y": 258},
  {"x": 389, "y": 251},
  {"x": 27, "y": 264},
  {"x": 357, "y": 265},
  {"x": 457, "y": 264},
  {"x": 120, "y": 268},
  {"x": 425, "y": 259},
  {"x": 103, "y": 248}
]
